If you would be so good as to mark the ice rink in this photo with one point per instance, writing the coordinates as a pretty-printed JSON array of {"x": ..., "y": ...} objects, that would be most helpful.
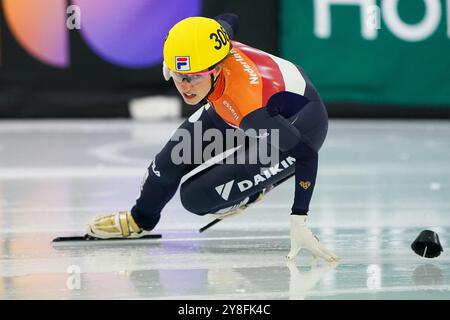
[{"x": 380, "y": 183}]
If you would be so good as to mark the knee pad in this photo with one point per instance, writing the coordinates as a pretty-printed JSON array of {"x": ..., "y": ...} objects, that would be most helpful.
[
  {"x": 200, "y": 196},
  {"x": 205, "y": 192}
]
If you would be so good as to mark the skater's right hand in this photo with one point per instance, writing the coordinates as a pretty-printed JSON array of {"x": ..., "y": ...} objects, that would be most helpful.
[{"x": 302, "y": 237}]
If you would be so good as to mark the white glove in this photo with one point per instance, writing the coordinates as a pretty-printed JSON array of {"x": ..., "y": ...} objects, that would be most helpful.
[
  {"x": 302, "y": 237},
  {"x": 166, "y": 72}
]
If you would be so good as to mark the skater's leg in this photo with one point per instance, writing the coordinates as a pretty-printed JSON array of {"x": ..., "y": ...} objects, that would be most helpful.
[{"x": 164, "y": 174}]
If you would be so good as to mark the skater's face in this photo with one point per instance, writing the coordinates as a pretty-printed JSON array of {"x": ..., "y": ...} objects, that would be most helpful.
[{"x": 194, "y": 87}]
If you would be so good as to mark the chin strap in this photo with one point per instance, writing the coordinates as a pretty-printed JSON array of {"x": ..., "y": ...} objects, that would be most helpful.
[
  {"x": 213, "y": 86},
  {"x": 213, "y": 82}
]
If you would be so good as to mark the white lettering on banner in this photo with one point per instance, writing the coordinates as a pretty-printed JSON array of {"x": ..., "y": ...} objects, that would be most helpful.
[
  {"x": 371, "y": 19},
  {"x": 448, "y": 18},
  {"x": 418, "y": 32},
  {"x": 322, "y": 14}
]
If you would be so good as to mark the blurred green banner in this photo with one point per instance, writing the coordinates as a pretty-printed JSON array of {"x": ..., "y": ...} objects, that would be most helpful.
[{"x": 387, "y": 52}]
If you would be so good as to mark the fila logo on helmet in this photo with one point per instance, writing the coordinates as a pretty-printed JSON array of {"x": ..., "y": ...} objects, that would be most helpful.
[{"x": 183, "y": 63}]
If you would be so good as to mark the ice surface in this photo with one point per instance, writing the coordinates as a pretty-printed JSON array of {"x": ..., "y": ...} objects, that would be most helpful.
[{"x": 380, "y": 183}]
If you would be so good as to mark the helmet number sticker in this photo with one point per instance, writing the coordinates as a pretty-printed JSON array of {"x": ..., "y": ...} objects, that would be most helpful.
[{"x": 221, "y": 38}]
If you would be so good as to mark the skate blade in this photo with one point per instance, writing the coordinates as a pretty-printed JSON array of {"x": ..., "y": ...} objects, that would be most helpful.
[{"x": 93, "y": 239}]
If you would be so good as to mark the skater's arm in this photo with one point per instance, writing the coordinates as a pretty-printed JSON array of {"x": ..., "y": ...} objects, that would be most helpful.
[
  {"x": 286, "y": 104},
  {"x": 275, "y": 116}
]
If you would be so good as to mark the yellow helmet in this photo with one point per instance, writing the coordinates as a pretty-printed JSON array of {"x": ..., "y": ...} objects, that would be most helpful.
[{"x": 195, "y": 44}]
